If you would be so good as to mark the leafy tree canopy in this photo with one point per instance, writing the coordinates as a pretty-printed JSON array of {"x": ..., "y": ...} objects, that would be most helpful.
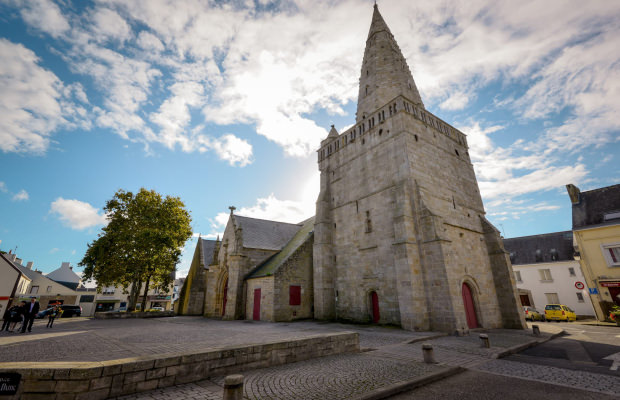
[{"x": 142, "y": 242}]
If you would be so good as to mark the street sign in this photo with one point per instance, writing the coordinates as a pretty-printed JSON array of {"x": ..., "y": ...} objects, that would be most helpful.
[
  {"x": 593, "y": 290},
  {"x": 579, "y": 285},
  {"x": 9, "y": 382}
]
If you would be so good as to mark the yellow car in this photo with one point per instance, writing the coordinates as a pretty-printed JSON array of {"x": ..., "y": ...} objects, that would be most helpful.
[
  {"x": 531, "y": 314},
  {"x": 559, "y": 312}
]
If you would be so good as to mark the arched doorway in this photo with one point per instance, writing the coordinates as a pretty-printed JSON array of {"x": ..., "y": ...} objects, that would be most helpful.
[
  {"x": 224, "y": 297},
  {"x": 374, "y": 301},
  {"x": 470, "y": 308}
]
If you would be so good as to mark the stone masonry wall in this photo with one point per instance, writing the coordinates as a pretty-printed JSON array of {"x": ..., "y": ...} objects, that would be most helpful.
[
  {"x": 266, "y": 286},
  {"x": 100, "y": 380},
  {"x": 297, "y": 270}
]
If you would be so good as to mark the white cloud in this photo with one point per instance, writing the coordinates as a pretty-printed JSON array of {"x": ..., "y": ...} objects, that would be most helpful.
[
  {"x": 32, "y": 104},
  {"x": 46, "y": 16},
  {"x": 22, "y": 195},
  {"x": 77, "y": 215},
  {"x": 3, "y": 187},
  {"x": 109, "y": 25},
  {"x": 54, "y": 250}
]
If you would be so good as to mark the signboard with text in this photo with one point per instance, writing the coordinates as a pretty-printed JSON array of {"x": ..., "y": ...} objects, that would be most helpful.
[
  {"x": 9, "y": 382},
  {"x": 610, "y": 284}
]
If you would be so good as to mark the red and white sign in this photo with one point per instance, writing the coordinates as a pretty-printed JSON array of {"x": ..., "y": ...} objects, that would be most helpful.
[
  {"x": 579, "y": 285},
  {"x": 610, "y": 284}
]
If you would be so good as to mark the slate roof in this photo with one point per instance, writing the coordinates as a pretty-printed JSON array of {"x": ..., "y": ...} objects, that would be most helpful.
[
  {"x": 64, "y": 274},
  {"x": 523, "y": 250},
  {"x": 207, "y": 248},
  {"x": 594, "y": 204},
  {"x": 32, "y": 274},
  {"x": 265, "y": 234},
  {"x": 273, "y": 263}
]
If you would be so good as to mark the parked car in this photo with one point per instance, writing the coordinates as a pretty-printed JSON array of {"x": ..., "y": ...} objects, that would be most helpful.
[
  {"x": 156, "y": 309},
  {"x": 559, "y": 312},
  {"x": 71, "y": 311},
  {"x": 531, "y": 314},
  {"x": 44, "y": 313}
]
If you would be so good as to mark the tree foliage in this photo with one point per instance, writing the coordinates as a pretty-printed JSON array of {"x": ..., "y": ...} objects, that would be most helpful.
[{"x": 141, "y": 244}]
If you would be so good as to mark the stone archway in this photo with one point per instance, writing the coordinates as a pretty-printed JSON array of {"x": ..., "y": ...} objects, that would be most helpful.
[{"x": 222, "y": 294}]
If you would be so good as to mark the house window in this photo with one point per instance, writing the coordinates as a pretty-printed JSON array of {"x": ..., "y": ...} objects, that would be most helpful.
[
  {"x": 538, "y": 255},
  {"x": 108, "y": 290},
  {"x": 518, "y": 276},
  {"x": 611, "y": 252},
  {"x": 545, "y": 275},
  {"x": 294, "y": 295},
  {"x": 571, "y": 271},
  {"x": 49, "y": 289},
  {"x": 552, "y": 298},
  {"x": 368, "y": 222},
  {"x": 580, "y": 297},
  {"x": 34, "y": 290}
]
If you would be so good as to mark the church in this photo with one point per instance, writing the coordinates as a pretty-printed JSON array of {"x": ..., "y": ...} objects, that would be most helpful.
[{"x": 399, "y": 236}]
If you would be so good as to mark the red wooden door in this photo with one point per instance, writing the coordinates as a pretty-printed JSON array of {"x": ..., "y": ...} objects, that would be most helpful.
[
  {"x": 525, "y": 300},
  {"x": 225, "y": 297},
  {"x": 375, "y": 307},
  {"x": 256, "y": 314},
  {"x": 470, "y": 309},
  {"x": 615, "y": 294}
]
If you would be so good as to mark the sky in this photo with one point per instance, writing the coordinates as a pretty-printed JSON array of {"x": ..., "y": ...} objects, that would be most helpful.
[{"x": 225, "y": 104}]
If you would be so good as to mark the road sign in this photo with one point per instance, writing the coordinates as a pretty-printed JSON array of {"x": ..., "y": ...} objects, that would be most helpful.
[
  {"x": 579, "y": 285},
  {"x": 593, "y": 290}
]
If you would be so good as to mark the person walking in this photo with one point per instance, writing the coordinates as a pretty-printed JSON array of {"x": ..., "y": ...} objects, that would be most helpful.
[
  {"x": 52, "y": 316},
  {"x": 32, "y": 310},
  {"x": 17, "y": 313},
  {"x": 6, "y": 319}
]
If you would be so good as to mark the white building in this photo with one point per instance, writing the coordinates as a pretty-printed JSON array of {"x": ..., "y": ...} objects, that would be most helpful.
[{"x": 547, "y": 273}]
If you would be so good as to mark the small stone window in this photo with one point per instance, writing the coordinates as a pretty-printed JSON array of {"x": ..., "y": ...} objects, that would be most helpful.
[
  {"x": 368, "y": 222},
  {"x": 456, "y": 152}
]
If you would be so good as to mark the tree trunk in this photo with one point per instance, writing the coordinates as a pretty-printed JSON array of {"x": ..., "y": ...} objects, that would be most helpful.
[
  {"x": 133, "y": 296},
  {"x": 146, "y": 290}
]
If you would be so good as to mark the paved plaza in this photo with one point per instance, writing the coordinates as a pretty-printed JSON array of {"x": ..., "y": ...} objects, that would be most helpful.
[{"x": 390, "y": 356}]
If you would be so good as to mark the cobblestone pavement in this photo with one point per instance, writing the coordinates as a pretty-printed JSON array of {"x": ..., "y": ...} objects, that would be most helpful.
[{"x": 98, "y": 340}]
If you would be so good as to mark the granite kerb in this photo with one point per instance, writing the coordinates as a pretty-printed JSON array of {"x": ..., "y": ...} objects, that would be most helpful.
[{"x": 103, "y": 379}]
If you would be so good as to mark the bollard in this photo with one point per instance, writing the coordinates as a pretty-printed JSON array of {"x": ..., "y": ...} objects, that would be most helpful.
[
  {"x": 485, "y": 340},
  {"x": 233, "y": 387},
  {"x": 536, "y": 330},
  {"x": 429, "y": 355}
]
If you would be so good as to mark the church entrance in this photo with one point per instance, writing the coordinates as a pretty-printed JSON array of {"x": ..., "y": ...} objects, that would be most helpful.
[
  {"x": 470, "y": 308},
  {"x": 256, "y": 313},
  {"x": 374, "y": 300}
]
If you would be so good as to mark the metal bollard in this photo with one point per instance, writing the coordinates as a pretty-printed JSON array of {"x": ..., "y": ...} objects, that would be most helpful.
[
  {"x": 485, "y": 340},
  {"x": 429, "y": 355},
  {"x": 233, "y": 387},
  {"x": 535, "y": 330}
]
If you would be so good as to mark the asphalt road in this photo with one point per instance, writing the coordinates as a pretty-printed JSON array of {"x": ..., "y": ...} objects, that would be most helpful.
[
  {"x": 474, "y": 385},
  {"x": 582, "y": 349}
]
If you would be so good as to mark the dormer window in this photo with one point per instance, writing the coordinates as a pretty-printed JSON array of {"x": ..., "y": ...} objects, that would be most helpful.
[{"x": 538, "y": 255}]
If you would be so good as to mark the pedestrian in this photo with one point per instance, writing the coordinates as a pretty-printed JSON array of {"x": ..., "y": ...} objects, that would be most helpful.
[
  {"x": 32, "y": 310},
  {"x": 6, "y": 318},
  {"x": 52, "y": 316},
  {"x": 17, "y": 312}
]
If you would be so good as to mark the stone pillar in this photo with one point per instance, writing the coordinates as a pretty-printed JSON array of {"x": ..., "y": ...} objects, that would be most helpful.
[
  {"x": 236, "y": 272},
  {"x": 323, "y": 257},
  {"x": 429, "y": 355},
  {"x": 233, "y": 387}
]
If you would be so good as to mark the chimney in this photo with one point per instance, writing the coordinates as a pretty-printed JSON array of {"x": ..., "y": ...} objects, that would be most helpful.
[
  {"x": 19, "y": 261},
  {"x": 29, "y": 265},
  {"x": 65, "y": 264},
  {"x": 12, "y": 257}
]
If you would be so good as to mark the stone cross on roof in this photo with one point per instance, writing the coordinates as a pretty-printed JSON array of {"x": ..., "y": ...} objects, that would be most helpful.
[{"x": 232, "y": 208}]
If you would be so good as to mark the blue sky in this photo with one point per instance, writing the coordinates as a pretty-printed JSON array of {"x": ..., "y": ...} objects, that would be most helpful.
[{"x": 225, "y": 103}]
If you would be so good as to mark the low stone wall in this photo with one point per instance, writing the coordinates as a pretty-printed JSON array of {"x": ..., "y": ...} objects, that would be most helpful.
[
  {"x": 100, "y": 380},
  {"x": 143, "y": 314}
]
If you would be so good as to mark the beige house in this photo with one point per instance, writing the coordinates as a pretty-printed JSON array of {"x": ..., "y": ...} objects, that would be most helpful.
[
  {"x": 12, "y": 282},
  {"x": 596, "y": 227}
]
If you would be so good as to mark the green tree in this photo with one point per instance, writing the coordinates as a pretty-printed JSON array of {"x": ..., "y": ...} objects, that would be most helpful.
[{"x": 141, "y": 244}]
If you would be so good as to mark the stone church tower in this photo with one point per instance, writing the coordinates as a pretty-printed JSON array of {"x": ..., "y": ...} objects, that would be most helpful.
[{"x": 400, "y": 235}]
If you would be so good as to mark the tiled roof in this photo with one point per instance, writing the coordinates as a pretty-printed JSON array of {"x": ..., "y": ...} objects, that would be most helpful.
[
  {"x": 271, "y": 265},
  {"x": 264, "y": 234},
  {"x": 207, "y": 248},
  {"x": 540, "y": 248}
]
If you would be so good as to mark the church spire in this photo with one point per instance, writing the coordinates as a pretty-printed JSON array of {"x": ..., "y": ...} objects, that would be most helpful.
[{"x": 385, "y": 73}]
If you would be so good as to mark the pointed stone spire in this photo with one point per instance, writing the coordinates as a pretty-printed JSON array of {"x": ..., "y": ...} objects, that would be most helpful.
[
  {"x": 385, "y": 73},
  {"x": 333, "y": 132}
]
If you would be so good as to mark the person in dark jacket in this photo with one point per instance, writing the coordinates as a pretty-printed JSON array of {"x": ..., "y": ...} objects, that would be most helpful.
[
  {"x": 17, "y": 313},
  {"x": 6, "y": 319},
  {"x": 52, "y": 316},
  {"x": 32, "y": 309}
]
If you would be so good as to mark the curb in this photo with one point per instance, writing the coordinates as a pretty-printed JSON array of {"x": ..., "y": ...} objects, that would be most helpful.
[
  {"x": 403, "y": 386},
  {"x": 521, "y": 347},
  {"x": 422, "y": 339}
]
